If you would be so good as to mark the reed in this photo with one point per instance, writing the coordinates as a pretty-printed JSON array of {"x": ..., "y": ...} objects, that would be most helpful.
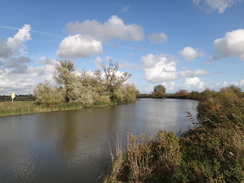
[{"x": 212, "y": 152}]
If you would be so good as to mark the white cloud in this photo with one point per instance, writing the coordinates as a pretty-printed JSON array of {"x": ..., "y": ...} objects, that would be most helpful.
[
  {"x": 15, "y": 43},
  {"x": 158, "y": 38},
  {"x": 23, "y": 82},
  {"x": 189, "y": 53},
  {"x": 194, "y": 83},
  {"x": 187, "y": 73},
  {"x": 79, "y": 46},
  {"x": 239, "y": 84},
  {"x": 159, "y": 68},
  {"x": 170, "y": 86},
  {"x": 231, "y": 44},
  {"x": 16, "y": 75},
  {"x": 113, "y": 28},
  {"x": 219, "y": 5},
  {"x": 5, "y": 51}
]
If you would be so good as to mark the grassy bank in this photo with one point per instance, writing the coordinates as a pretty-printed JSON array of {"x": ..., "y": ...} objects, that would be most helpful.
[
  {"x": 29, "y": 107},
  {"x": 212, "y": 152}
]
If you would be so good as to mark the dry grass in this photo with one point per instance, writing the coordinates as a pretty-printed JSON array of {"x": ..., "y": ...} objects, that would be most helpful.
[
  {"x": 213, "y": 152},
  {"x": 146, "y": 160}
]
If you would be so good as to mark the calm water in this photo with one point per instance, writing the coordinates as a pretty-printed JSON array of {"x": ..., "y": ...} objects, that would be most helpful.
[{"x": 75, "y": 146}]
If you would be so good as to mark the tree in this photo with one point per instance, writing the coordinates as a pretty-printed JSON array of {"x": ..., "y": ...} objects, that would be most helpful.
[
  {"x": 47, "y": 94},
  {"x": 231, "y": 88},
  {"x": 159, "y": 91},
  {"x": 87, "y": 89},
  {"x": 182, "y": 92},
  {"x": 65, "y": 77},
  {"x": 112, "y": 80}
]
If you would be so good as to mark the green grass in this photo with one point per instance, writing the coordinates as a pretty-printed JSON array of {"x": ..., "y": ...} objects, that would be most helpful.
[{"x": 28, "y": 107}]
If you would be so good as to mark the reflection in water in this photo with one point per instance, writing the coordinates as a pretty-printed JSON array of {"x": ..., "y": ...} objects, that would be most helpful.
[{"x": 75, "y": 146}]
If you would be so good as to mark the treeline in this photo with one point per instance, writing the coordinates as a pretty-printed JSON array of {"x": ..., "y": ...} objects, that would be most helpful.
[
  {"x": 4, "y": 98},
  {"x": 207, "y": 93},
  {"x": 212, "y": 152},
  {"x": 106, "y": 86},
  {"x": 159, "y": 92}
]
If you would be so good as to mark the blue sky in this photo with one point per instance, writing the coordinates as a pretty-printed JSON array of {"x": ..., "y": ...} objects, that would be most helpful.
[{"x": 187, "y": 44}]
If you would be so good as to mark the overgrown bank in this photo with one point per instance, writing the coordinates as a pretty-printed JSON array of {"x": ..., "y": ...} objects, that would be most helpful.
[
  {"x": 212, "y": 152},
  {"x": 76, "y": 90}
]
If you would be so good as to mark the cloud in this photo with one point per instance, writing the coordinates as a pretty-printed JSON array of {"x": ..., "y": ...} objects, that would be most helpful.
[
  {"x": 236, "y": 83},
  {"x": 77, "y": 46},
  {"x": 159, "y": 68},
  {"x": 158, "y": 38},
  {"x": 16, "y": 75},
  {"x": 5, "y": 50},
  {"x": 47, "y": 61},
  {"x": 170, "y": 86},
  {"x": 219, "y": 5},
  {"x": 13, "y": 79},
  {"x": 231, "y": 44},
  {"x": 194, "y": 83},
  {"x": 18, "y": 64},
  {"x": 187, "y": 73},
  {"x": 15, "y": 43},
  {"x": 125, "y": 8},
  {"x": 113, "y": 28},
  {"x": 189, "y": 53}
]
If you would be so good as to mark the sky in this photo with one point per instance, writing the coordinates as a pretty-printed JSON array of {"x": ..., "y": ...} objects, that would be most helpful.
[{"x": 186, "y": 44}]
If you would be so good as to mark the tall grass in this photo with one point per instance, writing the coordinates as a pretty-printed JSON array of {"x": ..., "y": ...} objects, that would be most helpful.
[
  {"x": 28, "y": 107},
  {"x": 17, "y": 107},
  {"x": 212, "y": 152}
]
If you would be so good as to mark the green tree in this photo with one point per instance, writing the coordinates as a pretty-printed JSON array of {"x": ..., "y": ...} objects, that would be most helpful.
[
  {"x": 158, "y": 91},
  {"x": 112, "y": 80},
  {"x": 182, "y": 92},
  {"x": 47, "y": 94},
  {"x": 66, "y": 77}
]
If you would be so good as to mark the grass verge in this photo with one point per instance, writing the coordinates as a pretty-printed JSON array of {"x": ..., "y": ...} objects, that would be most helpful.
[{"x": 29, "y": 107}]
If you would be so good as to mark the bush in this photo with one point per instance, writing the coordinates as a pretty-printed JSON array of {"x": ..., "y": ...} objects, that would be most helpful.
[{"x": 48, "y": 95}]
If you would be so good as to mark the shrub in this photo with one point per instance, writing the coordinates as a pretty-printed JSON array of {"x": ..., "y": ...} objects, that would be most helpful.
[{"x": 47, "y": 94}]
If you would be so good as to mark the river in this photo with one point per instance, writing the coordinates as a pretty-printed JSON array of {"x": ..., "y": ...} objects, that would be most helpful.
[{"x": 76, "y": 146}]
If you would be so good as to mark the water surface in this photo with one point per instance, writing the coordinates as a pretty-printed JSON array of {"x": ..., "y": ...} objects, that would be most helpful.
[{"x": 75, "y": 146}]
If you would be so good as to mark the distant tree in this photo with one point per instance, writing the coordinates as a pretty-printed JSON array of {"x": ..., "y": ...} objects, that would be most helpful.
[
  {"x": 159, "y": 88},
  {"x": 235, "y": 89},
  {"x": 158, "y": 91},
  {"x": 182, "y": 92},
  {"x": 231, "y": 88}
]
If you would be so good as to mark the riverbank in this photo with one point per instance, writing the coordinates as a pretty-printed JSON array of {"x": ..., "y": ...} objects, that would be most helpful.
[
  {"x": 30, "y": 107},
  {"x": 212, "y": 152}
]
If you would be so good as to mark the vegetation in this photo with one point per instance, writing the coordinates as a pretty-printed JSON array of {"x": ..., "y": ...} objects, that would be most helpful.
[
  {"x": 159, "y": 91},
  {"x": 74, "y": 90},
  {"x": 101, "y": 87},
  {"x": 212, "y": 152}
]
